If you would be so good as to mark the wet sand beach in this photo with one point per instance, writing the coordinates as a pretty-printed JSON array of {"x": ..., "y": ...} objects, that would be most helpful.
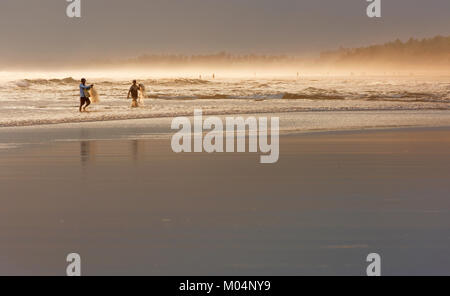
[{"x": 132, "y": 206}]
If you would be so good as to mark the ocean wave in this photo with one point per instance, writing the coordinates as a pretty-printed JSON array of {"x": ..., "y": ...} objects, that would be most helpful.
[
  {"x": 28, "y": 82},
  {"x": 264, "y": 85},
  {"x": 22, "y": 83},
  {"x": 410, "y": 100},
  {"x": 406, "y": 96},
  {"x": 305, "y": 96},
  {"x": 214, "y": 97},
  {"x": 314, "y": 93},
  {"x": 320, "y": 90},
  {"x": 176, "y": 82}
]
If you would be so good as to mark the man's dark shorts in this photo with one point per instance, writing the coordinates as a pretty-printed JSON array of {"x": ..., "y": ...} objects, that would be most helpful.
[{"x": 84, "y": 101}]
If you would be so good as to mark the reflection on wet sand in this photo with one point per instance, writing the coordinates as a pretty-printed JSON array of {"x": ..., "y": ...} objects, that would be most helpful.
[
  {"x": 134, "y": 149},
  {"x": 138, "y": 208},
  {"x": 137, "y": 150},
  {"x": 88, "y": 152}
]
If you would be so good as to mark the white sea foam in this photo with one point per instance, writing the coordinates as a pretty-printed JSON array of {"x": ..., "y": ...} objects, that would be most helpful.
[{"x": 8, "y": 146}]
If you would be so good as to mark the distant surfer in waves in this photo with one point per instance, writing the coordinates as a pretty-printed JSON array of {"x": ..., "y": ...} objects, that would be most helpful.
[{"x": 84, "y": 95}]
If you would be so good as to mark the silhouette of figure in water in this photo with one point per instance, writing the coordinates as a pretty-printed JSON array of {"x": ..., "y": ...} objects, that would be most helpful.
[
  {"x": 134, "y": 92},
  {"x": 84, "y": 95}
]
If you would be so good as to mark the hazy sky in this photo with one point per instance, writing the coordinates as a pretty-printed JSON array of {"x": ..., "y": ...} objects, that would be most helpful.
[{"x": 32, "y": 29}]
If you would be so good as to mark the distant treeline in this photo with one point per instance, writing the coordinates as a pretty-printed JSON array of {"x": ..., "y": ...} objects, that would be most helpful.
[
  {"x": 431, "y": 52},
  {"x": 220, "y": 59},
  {"x": 424, "y": 54},
  {"x": 412, "y": 56}
]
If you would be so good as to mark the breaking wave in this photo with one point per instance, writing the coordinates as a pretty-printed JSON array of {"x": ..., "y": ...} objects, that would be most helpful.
[
  {"x": 304, "y": 96},
  {"x": 29, "y": 82},
  {"x": 176, "y": 82},
  {"x": 406, "y": 96},
  {"x": 313, "y": 93}
]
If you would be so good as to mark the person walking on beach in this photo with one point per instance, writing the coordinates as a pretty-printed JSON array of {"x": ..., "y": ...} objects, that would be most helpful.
[
  {"x": 84, "y": 95},
  {"x": 134, "y": 92}
]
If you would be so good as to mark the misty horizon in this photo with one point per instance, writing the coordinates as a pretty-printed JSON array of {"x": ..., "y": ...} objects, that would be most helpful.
[
  {"x": 424, "y": 56},
  {"x": 39, "y": 32}
]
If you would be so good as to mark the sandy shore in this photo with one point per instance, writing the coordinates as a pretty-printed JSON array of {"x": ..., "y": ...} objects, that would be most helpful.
[
  {"x": 134, "y": 207},
  {"x": 290, "y": 122}
]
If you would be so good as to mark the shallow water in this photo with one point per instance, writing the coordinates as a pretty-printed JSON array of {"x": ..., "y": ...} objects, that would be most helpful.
[{"x": 55, "y": 100}]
